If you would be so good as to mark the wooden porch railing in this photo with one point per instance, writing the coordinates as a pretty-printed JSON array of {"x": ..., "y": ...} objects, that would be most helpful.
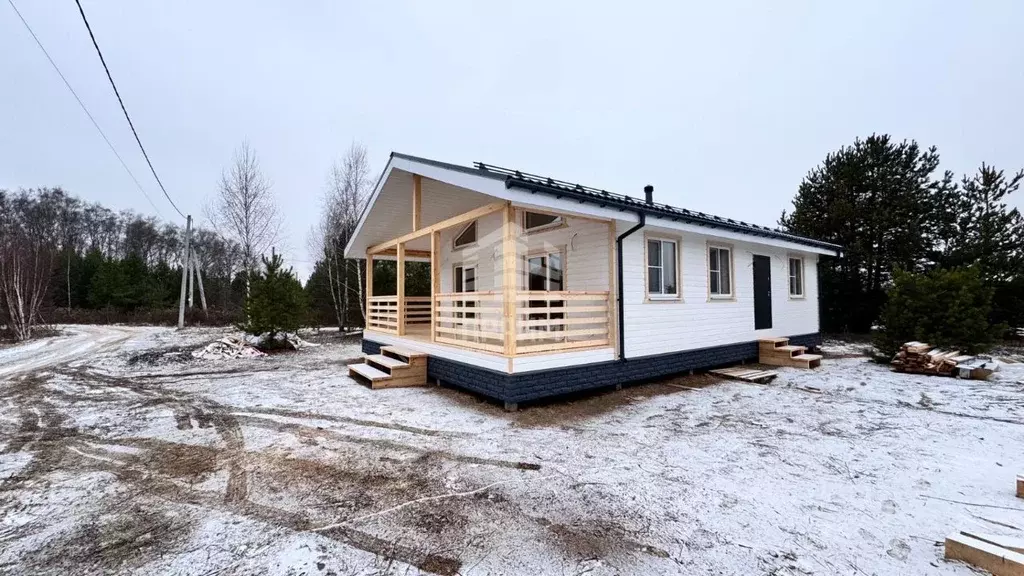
[
  {"x": 471, "y": 320},
  {"x": 545, "y": 321},
  {"x": 417, "y": 310},
  {"x": 383, "y": 314},
  {"x": 559, "y": 321}
]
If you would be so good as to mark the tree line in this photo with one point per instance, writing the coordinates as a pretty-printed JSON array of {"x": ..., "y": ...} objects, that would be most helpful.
[
  {"x": 911, "y": 232},
  {"x": 59, "y": 254},
  {"x": 62, "y": 258}
]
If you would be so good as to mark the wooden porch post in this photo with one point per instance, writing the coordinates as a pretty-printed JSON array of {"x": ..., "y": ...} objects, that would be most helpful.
[
  {"x": 400, "y": 284},
  {"x": 369, "y": 288},
  {"x": 508, "y": 285},
  {"x": 435, "y": 281}
]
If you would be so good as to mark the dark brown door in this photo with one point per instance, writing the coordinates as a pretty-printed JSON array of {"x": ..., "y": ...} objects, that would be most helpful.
[{"x": 762, "y": 292}]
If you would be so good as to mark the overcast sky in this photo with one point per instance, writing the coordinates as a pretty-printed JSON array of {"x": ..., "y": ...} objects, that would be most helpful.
[{"x": 722, "y": 106}]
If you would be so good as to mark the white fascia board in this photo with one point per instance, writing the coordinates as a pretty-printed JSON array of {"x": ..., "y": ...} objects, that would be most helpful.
[{"x": 738, "y": 236}]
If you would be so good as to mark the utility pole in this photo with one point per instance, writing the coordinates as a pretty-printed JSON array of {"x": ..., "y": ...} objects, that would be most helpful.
[
  {"x": 184, "y": 270},
  {"x": 199, "y": 276},
  {"x": 191, "y": 280}
]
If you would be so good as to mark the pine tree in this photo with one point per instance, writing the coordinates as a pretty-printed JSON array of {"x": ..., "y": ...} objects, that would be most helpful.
[
  {"x": 276, "y": 302},
  {"x": 986, "y": 232},
  {"x": 881, "y": 201}
]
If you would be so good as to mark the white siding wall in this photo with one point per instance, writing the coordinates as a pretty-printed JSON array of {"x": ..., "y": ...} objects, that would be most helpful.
[
  {"x": 699, "y": 322},
  {"x": 584, "y": 242}
]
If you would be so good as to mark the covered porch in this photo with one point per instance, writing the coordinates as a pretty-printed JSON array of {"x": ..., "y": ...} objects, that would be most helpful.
[{"x": 505, "y": 296}]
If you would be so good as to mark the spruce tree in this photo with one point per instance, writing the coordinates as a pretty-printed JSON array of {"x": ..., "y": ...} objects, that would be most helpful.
[{"x": 276, "y": 302}]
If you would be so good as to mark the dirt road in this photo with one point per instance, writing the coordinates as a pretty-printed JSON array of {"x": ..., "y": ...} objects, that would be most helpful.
[
  {"x": 122, "y": 454},
  {"x": 76, "y": 343}
]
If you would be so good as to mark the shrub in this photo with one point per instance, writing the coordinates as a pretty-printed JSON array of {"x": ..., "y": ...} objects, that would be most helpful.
[
  {"x": 945, "y": 308},
  {"x": 276, "y": 302}
]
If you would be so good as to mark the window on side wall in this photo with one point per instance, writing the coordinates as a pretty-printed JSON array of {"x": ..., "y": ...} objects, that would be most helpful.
[
  {"x": 535, "y": 221},
  {"x": 464, "y": 282},
  {"x": 466, "y": 237},
  {"x": 662, "y": 273},
  {"x": 796, "y": 277},
  {"x": 719, "y": 271}
]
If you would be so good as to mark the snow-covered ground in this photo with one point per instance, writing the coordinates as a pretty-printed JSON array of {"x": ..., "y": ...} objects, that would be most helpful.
[{"x": 120, "y": 453}]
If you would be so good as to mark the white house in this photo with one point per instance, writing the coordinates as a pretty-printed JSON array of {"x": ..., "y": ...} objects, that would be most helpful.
[{"x": 541, "y": 287}]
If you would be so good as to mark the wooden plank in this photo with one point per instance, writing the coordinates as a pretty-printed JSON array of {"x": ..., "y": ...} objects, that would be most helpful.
[
  {"x": 999, "y": 561},
  {"x": 417, "y": 200},
  {"x": 560, "y": 334},
  {"x": 474, "y": 345},
  {"x": 550, "y": 296},
  {"x": 479, "y": 310},
  {"x": 562, "y": 346},
  {"x": 400, "y": 282},
  {"x": 385, "y": 361},
  {"x": 746, "y": 375},
  {"x": 408, "y": 253},
  {"x": 402, "y": 351},
  {"x": 508, "y": 283},
  {"x": 1020, "y": 486},
  {"x": 453, "y": 221},
  {"x": 1015, "y": 544},
  {"x": 369, "y": 282},
  {"x": 368, "y": 372},
  {"x": 560, "y": 321},
  {"x": 470, "y": 333},
  {"x": 481, "y": 295},
  {"x": 435, "y": 280}
]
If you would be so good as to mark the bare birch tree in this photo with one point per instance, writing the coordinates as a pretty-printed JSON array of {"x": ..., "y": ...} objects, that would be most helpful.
[
  {"x": 348, "y": 187},
  {"x": 26, "y": 260},
  {"x": 244, "y": 209}
]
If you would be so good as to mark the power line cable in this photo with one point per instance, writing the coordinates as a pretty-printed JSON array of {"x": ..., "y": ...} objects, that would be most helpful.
[
  {"x": 84, "y": 109},
  {"x": 123, "y": 109}
]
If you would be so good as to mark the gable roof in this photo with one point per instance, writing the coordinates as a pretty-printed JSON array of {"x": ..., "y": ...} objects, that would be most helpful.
[{"x": 605, "y": 199}]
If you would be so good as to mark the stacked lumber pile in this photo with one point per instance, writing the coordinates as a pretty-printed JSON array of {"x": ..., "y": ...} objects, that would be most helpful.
[{"x": 921, "y": 358}]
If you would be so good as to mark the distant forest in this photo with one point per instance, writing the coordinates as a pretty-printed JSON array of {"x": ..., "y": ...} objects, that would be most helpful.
[{"x": 121, "y": 263}]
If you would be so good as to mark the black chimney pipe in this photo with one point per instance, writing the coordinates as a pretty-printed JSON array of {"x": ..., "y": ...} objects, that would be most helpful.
[{"x": 649, "y": 193}]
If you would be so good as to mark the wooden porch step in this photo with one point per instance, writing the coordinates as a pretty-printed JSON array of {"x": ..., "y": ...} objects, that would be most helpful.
[
  {"x": 394, "y": 367},
  {"x": 792, "y": 350},
  {"x": 400, "y": 353},
  {"x": 368, "y": 372},
  {"x": 795, "y": 360},
  {"x": 385, "y": 361}
]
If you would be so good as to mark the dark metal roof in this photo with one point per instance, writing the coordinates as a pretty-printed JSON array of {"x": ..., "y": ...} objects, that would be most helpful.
[{"x": 606, "y": 199}]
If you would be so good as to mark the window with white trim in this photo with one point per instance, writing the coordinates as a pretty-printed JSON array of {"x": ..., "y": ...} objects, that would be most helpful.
[
  {"x": 466, "y": 237},
  {"x": 796, "y": 277},
  {"x": 535, "y": 221},
  {"x": 545, "y": 273},
  {"x": 464, "y": 281},
  {"x": 719, "y": 271},
  {"x": 662, "y": 273}
]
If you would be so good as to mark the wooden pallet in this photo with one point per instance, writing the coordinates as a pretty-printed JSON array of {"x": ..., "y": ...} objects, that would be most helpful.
[
  {"x": 998, "y": 555},
  {"x": 746, "y": 374},
  {"x": 394, "y": 367},
  {"x": 778, "y": 352}
]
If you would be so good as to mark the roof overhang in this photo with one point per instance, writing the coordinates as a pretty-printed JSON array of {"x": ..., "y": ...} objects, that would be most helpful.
[{"x": 532, "y": 191}]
